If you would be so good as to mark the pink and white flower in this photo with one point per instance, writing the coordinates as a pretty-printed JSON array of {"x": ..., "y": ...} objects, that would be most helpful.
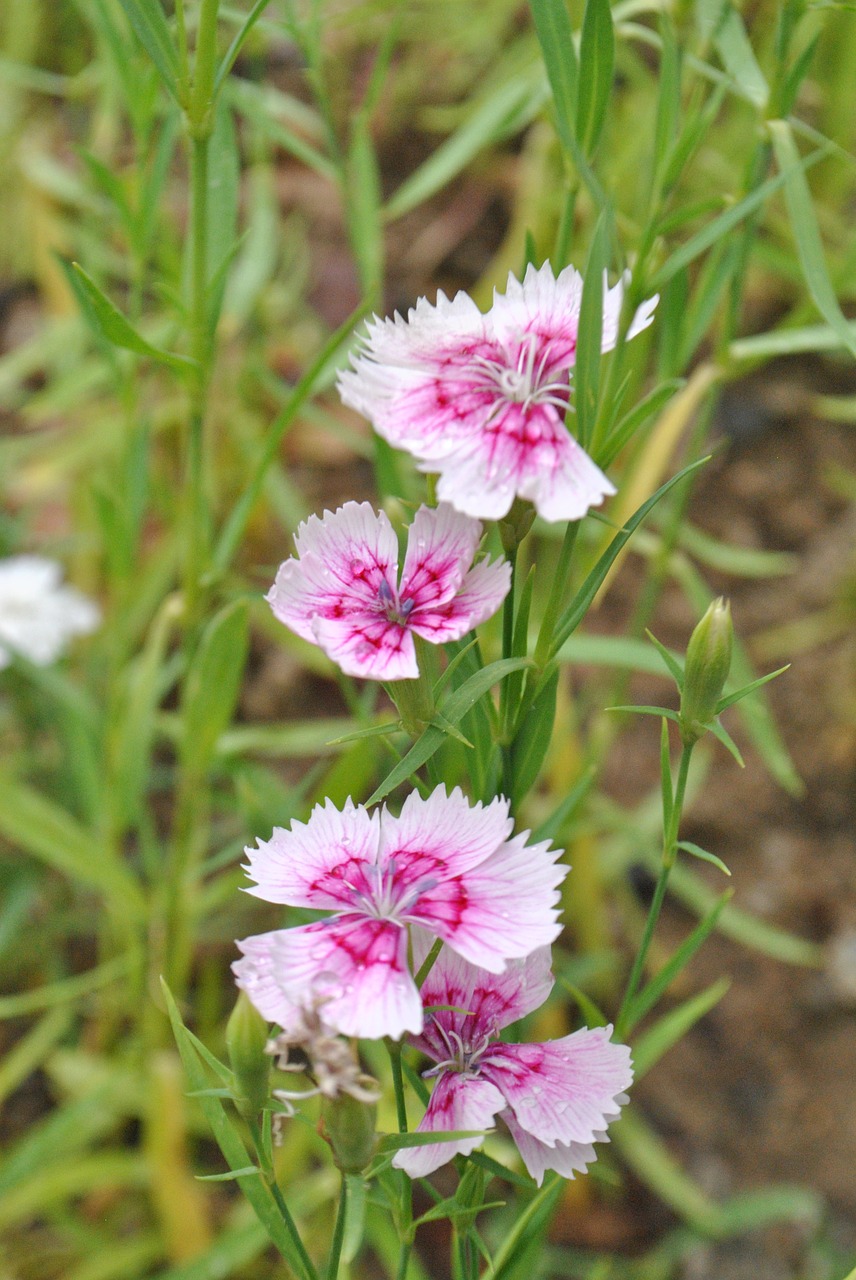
[
  {"x": 342, "y": 591},
  {"x": 482, "y": 399},
  {"x": 556, "y": 1098},
  {"x": 444, "y": 864}
]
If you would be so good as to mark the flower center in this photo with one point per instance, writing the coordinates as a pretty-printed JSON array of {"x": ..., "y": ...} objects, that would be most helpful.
[
  {"x": 522, "y": 378},
  {"x": 463, "y": 1058},
  {"x": 395, "y": 610}
]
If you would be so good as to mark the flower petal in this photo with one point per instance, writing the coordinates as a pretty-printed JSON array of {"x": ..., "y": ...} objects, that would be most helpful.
[
  {"x": 320, "y": 863},
  {"x": 483, "y": 591},
  {"x": 565, "y": 1159},
  {"x": 359, "y": 962},
  {"x": 372, "y": 648},
  {"x": 444, "y": 830},
  {"x": 565, "y": 1090},
  {"x": 441, "y": 544},
  {"x": 481, "y": 1003},
  {"x": 500, "y": 910},
  {"x": 458, "y": 1102},
  {"x": 543, "y": 305},
  {"x": 342, "y": 559}
]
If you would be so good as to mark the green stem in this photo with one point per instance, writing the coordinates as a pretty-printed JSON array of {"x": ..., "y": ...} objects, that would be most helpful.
[
  {"x": 556, "y": 597},
  {"x": 204, "y": 69},
  {"x": 394, "y": 1050},
  {"x": 338, "y": 1232},
  {"x": 428, "y": 963},
  {"x": 670, "y": 849},
  {"x": 269, "y": 1174}
]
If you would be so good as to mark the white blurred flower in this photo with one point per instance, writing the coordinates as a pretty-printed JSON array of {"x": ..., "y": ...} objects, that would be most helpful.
[{"x": 38, "y": 615}]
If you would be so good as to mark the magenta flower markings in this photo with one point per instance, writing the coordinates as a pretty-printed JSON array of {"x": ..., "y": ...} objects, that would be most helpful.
[
  {"x": 448, "y": 866},
  {"x": 556, "y": 1098},
  {"x": 342, "y": 590},
  {"x": 482, "y": 399}
]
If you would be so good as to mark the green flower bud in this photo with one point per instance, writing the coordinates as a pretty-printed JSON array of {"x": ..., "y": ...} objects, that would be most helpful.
[
  {"x": 246, "y": 1039},
  {"x": 514, "y": 527},
  {"x": 706, "y": 669},
  {"x": 350, "y": 1127}
]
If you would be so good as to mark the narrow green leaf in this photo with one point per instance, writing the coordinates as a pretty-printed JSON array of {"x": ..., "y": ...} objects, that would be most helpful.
[
  {"x": 579, "y": 606},
  {"x": 499, "y": 116},
  {"x": 587, "y": 362},
  {"x": 594, "y": 1016},
  {"x": 235, "y": 1153},
  {"x": 596, "y": 62},
  {"x": 556, "y": 37},
  {"x": 150, "y": 26},
  {"x": 564, "y": 812},
  {"x": 648, "y": 711},
  {"x": 671, "y": 662},
  {"x": 237, "y": 44},
  {"x": 398, "y": 1141},
  {"x": 721, "y": 226},
  {"x": 731, "y": 698},
  {"x": 739, "y": 925},
  {"x": 659, "y": 984},
  {"x": 48, "y": 832},
  {"x": 735, "y": 49},
  {"x": 363, "y": 208},
  {"x": 727, "y": 741},
  {"x": 213, "y": 683},
  {"x": 646, "y": 409},
  {"x": 454, "y": 709},
  {"x": 235, "y": 525},
  {"x": 109, "y": 323},
  {"x": 251, "y": 1171},
  {"x": 526, "y": 1226},
  {"x": 532, "y": 739},
  {"x": 697, "y": 852},
  {"x": 673, "y": 1026},
  {"x": 65, "y": 990}
]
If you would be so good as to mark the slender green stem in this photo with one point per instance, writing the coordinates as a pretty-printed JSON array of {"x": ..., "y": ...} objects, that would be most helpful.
[
  {"x": 394, "y": 1050},
  {"x": 670, "y": 849},
  {"x": 338, "y": 1232},
  {"x": 403, "y": 1260},
  {"x": 200, "y": 346},
  {"x": 556, "y": 596},
  {"x": 204, "y": 68},
  {"x": 269, "y": 1174}
]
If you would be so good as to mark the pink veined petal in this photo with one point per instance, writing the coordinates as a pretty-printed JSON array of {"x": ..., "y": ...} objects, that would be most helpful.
[
  {"x": 320, "y": 863},
  {"x": 458, "y": 1102},
  {"x": 441, "y": 544},
  {"x": 483, "y": 591},
  {"x": 443, "y": 834},
  {"x": 490, "y": 1001},
  {"x": 564, "y": 1090},
  {"x": 258, "y": 973},
  {"x": 371, "y": 648},
  {"x": 539, "y": 1157},
  {"x": 342, "y": 561},
  {"x": 566, "y": 484},
  {"x": 500, "y": 910},
  {"x": 396, "y": 344},
  {"x": 361, "y": 962},
  {"x": 541, "y": 304}
]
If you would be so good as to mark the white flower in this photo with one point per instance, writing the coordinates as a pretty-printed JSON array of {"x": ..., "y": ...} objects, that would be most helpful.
[{"x": 38, "y": 615}]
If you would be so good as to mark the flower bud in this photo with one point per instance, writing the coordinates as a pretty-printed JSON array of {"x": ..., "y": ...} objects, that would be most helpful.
[
  {"x": 706, "y": 669},
  {"x": 514, "y": 527},
  {"x": 350, "y": 1127},
  {"x": 246, "y": 1038}
]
